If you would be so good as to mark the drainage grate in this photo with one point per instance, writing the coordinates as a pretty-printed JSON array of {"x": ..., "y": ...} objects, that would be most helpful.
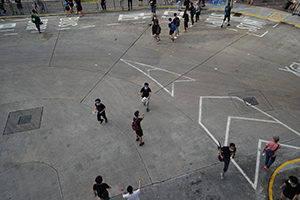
[
  {"x": 23, "y": 120},
  {"x": 250, "y": 100},
  {"x": 237, "y": 14}
]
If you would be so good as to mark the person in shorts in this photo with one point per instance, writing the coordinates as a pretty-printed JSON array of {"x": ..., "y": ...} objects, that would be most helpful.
[
  {"x": 20, "y": 6},
  {"x": 67, "y": 8},
  {"x": 172, "y": 29},
  {"x": 227, "y": 14},
  {"x": 176, "y": 22},
  {"x": 139, "y": 132},
  {"x": 152, "y": 4},
  {"x": 140, "y": 3}
]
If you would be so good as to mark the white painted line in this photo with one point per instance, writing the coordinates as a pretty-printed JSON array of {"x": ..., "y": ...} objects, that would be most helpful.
[
  {"x": 115, "y": 24},
  {"x": 276, "y": 25},
  {"x": 274, "y": 120},
  {"x": 6, "y": 34},
  {"x": 6, "y": 30},
  {"x": 258, "y": 35},
  {"x": 211, "y": 25},
  {"x": 152, "y": 68},
  {"x": 19, "y": 20},
  {"x": 232, "y": 29},
  {"x": 143, "y": 22},
  {"x": 293, "y": 68},
  {"x": 62, "y": 29},
  {"x": 89, "y": 26}
]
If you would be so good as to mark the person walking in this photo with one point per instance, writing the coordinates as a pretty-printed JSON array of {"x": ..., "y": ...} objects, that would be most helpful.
[
  {"x": 156, "y": 29},
  {"x": 145, "y": 94},
  {"x": 41, "y": 6},
  {"x": 186, "y": 21},
  {"x": 176, "y": 22},
  {"x": 271, "y": 149},
  {"x": 122, "y": 4},
  {"x": 140, "y": 2},
  {"x": 291, "y": 189},
  {"x": 152, "y": 4},
  {"x": 227, "y": 14},
  {"x": 198, "y": 12},
  {"x": 103, "y": 5},
  {"x": 225, "y": 153},
  {"x": 139, "y": 130},
  {"x": 2, "y": 6},
  {"x": 132, "y": 195},
  {"x": 179, "y": 5},
  {"x": 36, "y": 20},
  {"x": 129, "y": 4},
  {"x": 100, "y": 189},
  {"x": 20, "y": 6},
  {"x": 100, "y": 108},
  {"x": 67, "y": 8},
  {"x": 172, "y": 29},
  {"x": 193, "y": 12},
  {"x": 79, "y": 8}
]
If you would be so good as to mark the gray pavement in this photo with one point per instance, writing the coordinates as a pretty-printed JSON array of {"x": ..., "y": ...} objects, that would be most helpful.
[{"x": 198, "y": 84}]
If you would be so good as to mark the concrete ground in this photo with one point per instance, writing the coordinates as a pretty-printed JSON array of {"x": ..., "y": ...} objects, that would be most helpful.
[{"x": 52, "y": 146}]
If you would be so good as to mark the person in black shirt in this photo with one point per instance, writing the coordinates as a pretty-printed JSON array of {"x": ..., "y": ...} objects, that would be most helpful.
[
  {"x": 139, "y": 132},
  {"x": 100, "y": 189},
  {"x": 291, "y": 190},
  {"x": 145, "y": 94},
  {"x": 100, "y": 108},
  {"x": 225, "y": 154}
]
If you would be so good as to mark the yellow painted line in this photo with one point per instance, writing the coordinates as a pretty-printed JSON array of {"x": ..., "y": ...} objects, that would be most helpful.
[{"x": 275, "y": 173}]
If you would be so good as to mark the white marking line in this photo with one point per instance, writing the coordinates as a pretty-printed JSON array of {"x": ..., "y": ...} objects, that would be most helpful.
[
  {"x": 6, "y": 34},
  {"x": 89, "y": 26},
  {"x": 6, "y": 30},
  {"x": 115, "y": 24},
  {"x": 19, "y": 20},
  {"x": 292, "y": 69},
  {"x": 253, "y": 184},
  {"x": 143, "y": 22},
  {"x": 156, "y": 68},
  {"x": 242, "y": 118},
  {"x": 231, "y": 29},
  {"x": 276, "y": 25},
  {"x": 258, "y": 35},
  {"x": 210, "y": 25},
  {"x": 62, "y": 29}
]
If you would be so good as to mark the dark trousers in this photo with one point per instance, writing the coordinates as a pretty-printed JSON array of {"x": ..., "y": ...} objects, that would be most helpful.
[
  {"x": 2, "y": 8},
  {"x": 269, "y": 161},
  {"x": 38, "y": 26},
  {"x": 226, "y": 163},
  {"x": 192, "y": 19},
  {"x": 99, "y": 116},
  {"x": 185, "y": 24},
  {"x": 130, "y": 2},
  {"x": 197, "y": 16},
  {"x": 103, "y": 5}
]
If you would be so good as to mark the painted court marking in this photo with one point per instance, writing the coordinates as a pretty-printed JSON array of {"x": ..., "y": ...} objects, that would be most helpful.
[
  {"x": 259, "y": 148},
  {"x": 275, "y": 173},
  {"x": 152, "y": 68},
  {"x": 294, "y": 68},
  {"x": 279, "y": 16}
]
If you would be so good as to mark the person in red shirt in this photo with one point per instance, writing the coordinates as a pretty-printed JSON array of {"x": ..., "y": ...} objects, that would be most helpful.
[{"x": 271, "y": 149}]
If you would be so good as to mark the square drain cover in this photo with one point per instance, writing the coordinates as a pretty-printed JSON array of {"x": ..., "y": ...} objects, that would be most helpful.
[
  {"x": 23, "y": 120},
  {"x": 250, "y": 100},
  {"x": 252, "y": 97}
]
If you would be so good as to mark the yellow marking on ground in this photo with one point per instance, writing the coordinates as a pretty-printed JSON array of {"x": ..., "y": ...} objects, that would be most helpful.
[
  {"x": 278, "y": 15},
  {"x": 275, "y": 173}
]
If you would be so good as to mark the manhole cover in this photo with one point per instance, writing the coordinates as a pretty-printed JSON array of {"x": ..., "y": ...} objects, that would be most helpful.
[
  {"x": 237, "y": 14},
  {"x": 250, "y": 100},
  {"x": 23, "y": 120}
]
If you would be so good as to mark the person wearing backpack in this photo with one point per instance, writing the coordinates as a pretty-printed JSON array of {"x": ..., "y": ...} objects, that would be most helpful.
[
  {"x": 186, "y": 21},
  {"x": 193, "y": 12},
  {"x": 176, "y": 21},
  {"x": 136, "y": 126},
  {"x": 172, "y": 29},
  {"x": 36, "y": 20},
  {"x": 100, "y": 189},
  {"x": 157, "y": 31},
  {"x": 270, "y": 151}
]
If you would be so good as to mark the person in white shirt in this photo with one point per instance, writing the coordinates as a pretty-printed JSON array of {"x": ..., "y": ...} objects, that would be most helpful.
[{"x": 132, "y": 195}]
